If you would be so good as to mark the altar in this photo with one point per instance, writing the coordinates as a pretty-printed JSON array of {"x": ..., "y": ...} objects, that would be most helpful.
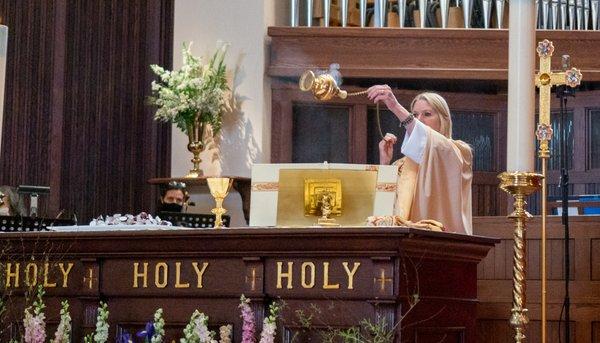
[{"x": 423, "y": 282}]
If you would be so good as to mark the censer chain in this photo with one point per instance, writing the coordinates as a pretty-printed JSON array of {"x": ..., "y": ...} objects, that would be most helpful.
[{"x": 377, "y": 111}]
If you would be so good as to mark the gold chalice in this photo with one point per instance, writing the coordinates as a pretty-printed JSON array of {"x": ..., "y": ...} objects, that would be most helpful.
[{"x": 219, "y": 188}]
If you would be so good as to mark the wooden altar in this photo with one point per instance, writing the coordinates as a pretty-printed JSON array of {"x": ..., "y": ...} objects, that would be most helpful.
[{"x": 425, "y": 280}]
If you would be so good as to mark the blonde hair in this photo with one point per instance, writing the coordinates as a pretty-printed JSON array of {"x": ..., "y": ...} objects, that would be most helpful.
[{"x": 439, "y": 104}]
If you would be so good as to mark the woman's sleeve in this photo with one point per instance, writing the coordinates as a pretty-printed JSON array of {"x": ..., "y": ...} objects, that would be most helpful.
[{"x": 414, "y": 144}]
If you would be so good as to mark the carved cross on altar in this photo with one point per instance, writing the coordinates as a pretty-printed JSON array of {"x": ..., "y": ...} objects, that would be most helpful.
[
  {"x": 382, "y": 280},
  {"x": 90, "y": 278},
  {"x": 544, "y": 80},
  {"x": 252, "y": 279}
]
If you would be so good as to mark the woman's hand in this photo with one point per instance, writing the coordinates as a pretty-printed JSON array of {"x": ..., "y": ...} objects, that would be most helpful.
[
  {"x": 384, "y": 94},
  {"x": 386, "y": 148}
]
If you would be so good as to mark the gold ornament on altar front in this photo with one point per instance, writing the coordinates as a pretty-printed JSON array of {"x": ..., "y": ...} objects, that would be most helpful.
[
  {"x": 519, "y": 185},
  {"x": 323, "y": 197},
  {"x": 219, "y": 188}
]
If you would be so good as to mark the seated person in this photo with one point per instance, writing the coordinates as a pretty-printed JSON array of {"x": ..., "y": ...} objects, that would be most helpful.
[
  {"x": 173, "y": 196},
  {"x": 435, "y": 175},
  {"x": 11, "y": 203}
]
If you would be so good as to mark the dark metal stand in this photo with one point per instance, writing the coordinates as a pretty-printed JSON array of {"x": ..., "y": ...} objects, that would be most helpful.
[{"x": 563, "y": 93}]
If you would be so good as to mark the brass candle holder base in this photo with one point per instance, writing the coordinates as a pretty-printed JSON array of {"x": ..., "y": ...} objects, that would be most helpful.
[
  {"x": 519, "y": 185},
  {"x": 219, "y": 188}
]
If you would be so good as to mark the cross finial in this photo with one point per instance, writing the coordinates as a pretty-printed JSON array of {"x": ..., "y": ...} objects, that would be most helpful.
[{"x": 544, "y": 80}]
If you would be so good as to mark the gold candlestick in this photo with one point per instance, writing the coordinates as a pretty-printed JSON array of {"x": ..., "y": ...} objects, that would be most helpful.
[
  {"x": 219, "y": 188},
  {"x": 519, "y": 185}
]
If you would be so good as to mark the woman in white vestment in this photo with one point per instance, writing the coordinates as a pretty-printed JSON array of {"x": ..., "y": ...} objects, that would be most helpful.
[{"x": 435, "y": 175}]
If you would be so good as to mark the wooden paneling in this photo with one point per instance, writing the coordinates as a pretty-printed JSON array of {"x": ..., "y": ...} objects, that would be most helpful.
[
  {"x": 596, "y": 331},
  {"x": 500, "y": 331},
  {"x": 495, "y": 278},
  {"x": 391, "y": 264},
  {"x": 595, "y": 264},
  {"x": 75, "y": 114},
  {"x": 415, "y": 53}
]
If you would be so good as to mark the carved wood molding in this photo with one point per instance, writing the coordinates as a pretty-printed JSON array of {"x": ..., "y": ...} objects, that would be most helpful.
[{"x": 412, "y": 53}]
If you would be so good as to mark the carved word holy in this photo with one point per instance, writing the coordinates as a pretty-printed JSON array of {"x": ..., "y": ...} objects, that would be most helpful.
[{"x": 308, "y": 271}]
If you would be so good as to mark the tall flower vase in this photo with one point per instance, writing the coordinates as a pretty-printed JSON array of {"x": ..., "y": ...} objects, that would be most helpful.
[{"x": 195, "y": 133}]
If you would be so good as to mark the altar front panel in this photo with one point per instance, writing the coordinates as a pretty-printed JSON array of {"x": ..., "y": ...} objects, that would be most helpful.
[{"x": 346, "y": 275}]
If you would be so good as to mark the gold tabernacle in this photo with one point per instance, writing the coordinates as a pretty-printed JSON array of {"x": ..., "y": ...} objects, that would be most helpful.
[
  {"x": 315, "y": 189},
  {"x": 323, "y": 197},
  {"x": 356, "y": 193}
]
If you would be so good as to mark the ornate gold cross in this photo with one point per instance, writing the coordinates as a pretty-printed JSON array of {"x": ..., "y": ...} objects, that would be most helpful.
[{"x": 544, "y": 80}]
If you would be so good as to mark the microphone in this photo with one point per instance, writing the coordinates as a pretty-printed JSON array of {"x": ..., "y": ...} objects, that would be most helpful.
[{"x": 566, "y": 62}]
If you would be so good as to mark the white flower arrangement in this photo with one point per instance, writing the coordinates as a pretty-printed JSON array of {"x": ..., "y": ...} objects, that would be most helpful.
[
  {"x": 195, "y": 93},
  {"x": 225, "y": 333},
  {"x": 270, "y": 324},
  {"x": 63, "y": 331},
  {"x": 159, "y": 327},
  {"x": 196, "y": 331},
  {"x": 129, "y": 219},
  {"x": 101, "y": 333}
]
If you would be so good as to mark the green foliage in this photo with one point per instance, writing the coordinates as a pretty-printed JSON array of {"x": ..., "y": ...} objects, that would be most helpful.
[{"x": 194, "y": 93}]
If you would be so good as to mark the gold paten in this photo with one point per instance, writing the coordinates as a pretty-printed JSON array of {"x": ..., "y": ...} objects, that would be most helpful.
[
  {"x": 545, "y": 79},
  {"x": 358, "y": 188},
  {"x": 219, "y": 188},
  {"x": 519, "y": 185}
]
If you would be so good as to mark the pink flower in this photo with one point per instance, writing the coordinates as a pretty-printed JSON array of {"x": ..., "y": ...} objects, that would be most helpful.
[
  {"x": 248, "y": 327},
  {"x": 35, "y": 328}
]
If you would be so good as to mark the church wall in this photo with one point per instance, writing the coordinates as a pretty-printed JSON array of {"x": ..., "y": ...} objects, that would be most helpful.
[{"x": 246, "y": 134}]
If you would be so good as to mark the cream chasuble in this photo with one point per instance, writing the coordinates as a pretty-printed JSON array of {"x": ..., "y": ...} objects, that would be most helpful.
[{"x": 435, "y": 180}]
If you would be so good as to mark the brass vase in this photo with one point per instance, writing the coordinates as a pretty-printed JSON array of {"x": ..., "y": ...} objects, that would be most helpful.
[{"x": 195, "y": 145}]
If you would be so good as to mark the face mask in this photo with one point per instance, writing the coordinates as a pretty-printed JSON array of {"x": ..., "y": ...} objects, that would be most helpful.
[{"x": 169, "y": 207}]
